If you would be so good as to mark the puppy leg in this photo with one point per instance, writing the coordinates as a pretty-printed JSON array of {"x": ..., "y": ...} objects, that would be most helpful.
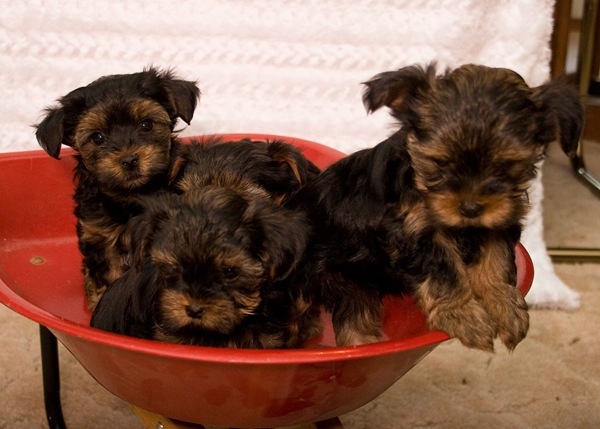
[
  {"x": 305, "y": 322},
  {"x": 448, "y": 301},
  {"x": 356, "y": 318},
  {"x": 93, "y": 292},
  {"x": 493, "y": 282},
  {"x": 456, "y": 312},
  {"x": 95, "y": 282}
]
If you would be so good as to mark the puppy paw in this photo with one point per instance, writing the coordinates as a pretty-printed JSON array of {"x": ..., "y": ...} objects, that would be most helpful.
[
  {"x": 509, "y": 313},
  {"x": 358, "y": 321},
  {"x": 468, "y": 322},
  {"x": 309, "y": 327},
  {"x": 311, "y": 330},
  {"x": 349, "y": 336},
  {"x": 93, "y": 296}
]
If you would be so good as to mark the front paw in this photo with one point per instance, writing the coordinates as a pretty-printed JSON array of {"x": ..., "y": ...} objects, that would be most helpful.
[
  {"x": 348, "y": 336},
  {"x": 361, "y": 328},
  {"x": 509, "y": 312},
  {"x": 468, "y": 322}
]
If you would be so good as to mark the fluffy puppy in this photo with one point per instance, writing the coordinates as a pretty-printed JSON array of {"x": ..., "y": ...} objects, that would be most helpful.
[
  {"x": 436, "y": 209},
  {"x": 122, "y": 127},
  {"x": 275, "y": 166},
  {"x": 207, "y": 271}
]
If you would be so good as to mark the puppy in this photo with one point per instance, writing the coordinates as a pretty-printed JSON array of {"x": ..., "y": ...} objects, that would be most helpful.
[
  {"x": 207, "y": 271},
  {"x": 122, "y": 127},
  {"x": 277, "y": 167},
  {"x": 436, "y": 209}
]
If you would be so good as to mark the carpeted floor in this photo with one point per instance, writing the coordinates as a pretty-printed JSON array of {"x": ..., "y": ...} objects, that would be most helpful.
[
  {"x": 292, "y": 68},
  {"x": 552, "y": 380}
]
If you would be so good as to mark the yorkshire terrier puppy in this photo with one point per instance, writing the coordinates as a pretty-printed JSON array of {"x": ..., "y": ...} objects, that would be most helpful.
[
  {"x": 206, "y": 270},
  {"x": 436, "y": 209},
  {"x": 277, "y": 167},
  {"x": 122, "y": 127}
]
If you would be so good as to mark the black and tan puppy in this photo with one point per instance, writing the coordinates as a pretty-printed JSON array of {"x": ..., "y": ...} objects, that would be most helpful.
[
  {"x": 122, "y": 127},
  {"x": 275, "y": 166},
  {"x": 436, "y": 209},
  {"x": 206, "y": 271}
]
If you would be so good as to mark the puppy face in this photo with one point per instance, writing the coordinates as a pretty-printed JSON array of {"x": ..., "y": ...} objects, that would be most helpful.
[
  {"x": 211, "y": 280},
  {"x": 121, "y": 125},
  {"x": 213, "y": 253},
  {"x": 124, "y": 143},
  {"x": 474, "y": 136},
  {"x": 475, "y": 148}
]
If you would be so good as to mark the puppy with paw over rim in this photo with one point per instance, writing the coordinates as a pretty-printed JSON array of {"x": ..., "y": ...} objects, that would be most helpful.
[
  {"x": 122, "y": 127},
  {"x": 436, "y": 209},
  {"x": 207, "y": 270}
]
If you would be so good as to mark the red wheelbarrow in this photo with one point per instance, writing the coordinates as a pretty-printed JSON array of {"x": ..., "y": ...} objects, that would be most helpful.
[{"x": 40, "y": 278}]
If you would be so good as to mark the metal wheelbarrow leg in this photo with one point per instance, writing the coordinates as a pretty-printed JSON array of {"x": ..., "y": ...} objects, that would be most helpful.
[{"x": 51, "y": 379}]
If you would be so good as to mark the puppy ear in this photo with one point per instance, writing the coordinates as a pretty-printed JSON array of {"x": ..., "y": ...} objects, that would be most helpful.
[
  {"x": 50, "y": 131},
  {"x": 126, "y": 306},
  {"x": 292, "y": 169},
  {"x": 57, "y": 126},
  {"x": 395, "y": 89},
  {"x": 561, "y": 104},
  {"x": 182, "y": 95},
  {"x": 285, "y": 236}
]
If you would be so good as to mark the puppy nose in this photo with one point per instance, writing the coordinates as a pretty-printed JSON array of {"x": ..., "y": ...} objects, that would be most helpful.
[
  {"x": 471, "y": 209},
  {"x": 130, "y": 161},
  {"x": 194, "y": 310}
]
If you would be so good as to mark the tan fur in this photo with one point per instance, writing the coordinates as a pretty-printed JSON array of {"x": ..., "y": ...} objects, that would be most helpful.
[
  {"x": 503, "y": 302},
  {"x": 219, "y": 315}
]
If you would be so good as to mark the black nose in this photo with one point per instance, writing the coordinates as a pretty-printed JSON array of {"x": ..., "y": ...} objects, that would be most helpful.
[
  {"x": 130, "y": 161},
  {"x": 471, "y": 209},
  {"x": 194, "y": 310}
]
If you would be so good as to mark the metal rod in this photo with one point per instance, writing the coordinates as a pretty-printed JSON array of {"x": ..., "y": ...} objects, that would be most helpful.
[
  {"x": 584, "y": 70},
  {"x": 565, "y": 254},
  {"x": 51, "y": 379},
  {"x": 584, "y": 174}
]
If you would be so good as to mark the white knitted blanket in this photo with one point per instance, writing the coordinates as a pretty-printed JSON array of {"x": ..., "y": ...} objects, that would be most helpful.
[{"x": 288, "y": 67}]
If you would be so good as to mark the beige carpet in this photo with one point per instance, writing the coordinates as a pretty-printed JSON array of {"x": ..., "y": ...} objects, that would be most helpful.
[{"x": 552, "y": 380}]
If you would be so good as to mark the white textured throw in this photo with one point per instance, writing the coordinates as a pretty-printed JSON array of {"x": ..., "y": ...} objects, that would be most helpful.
[{"x": 271, "y": 66}]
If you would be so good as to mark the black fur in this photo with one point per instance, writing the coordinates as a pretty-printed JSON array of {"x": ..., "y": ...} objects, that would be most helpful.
[
  {"x": 277, "y": 167},
  {"x": 122, "y": 127},
  {"x": 436, "y": 209},
  {"x": 181, "y": 244}
]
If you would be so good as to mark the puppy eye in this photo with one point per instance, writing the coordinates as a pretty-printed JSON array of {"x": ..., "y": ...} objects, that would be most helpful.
[
  {"x": 441, "y": 163},
  {"x": 147, "y": 124},
  {"x": 230, "y": 273},
  {"x": 98, "y": 138},
  {"x": 494, "y": 187}
]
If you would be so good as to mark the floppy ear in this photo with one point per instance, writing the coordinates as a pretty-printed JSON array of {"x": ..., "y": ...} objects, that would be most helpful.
[
  {"x": 561, "y": 104},
  {"x": 286, "y": 235},
  {"x": 181, "y": 95},
  {"x": 50, "y": 131},
  {"x": 58, "y": 124},
  {"x": 126, "y": 307},
  {"x": 292, "y": 169},
  {"x": 395, "y": 89}
]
